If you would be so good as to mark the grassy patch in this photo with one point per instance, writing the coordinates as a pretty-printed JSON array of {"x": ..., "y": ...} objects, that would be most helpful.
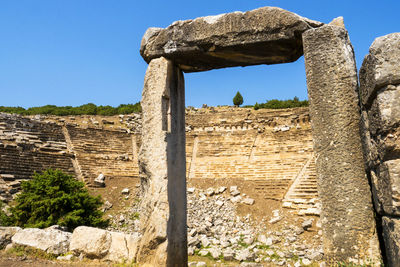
[{"x": 27, "y": 251}]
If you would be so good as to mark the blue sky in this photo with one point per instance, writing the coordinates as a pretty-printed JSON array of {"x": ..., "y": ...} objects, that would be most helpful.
[{"x": 72, "y": 52}]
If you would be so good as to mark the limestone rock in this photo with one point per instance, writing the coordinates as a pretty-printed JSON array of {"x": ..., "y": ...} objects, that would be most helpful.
[
  {"x": 125, "y": 191},
  {"x": 248, "y": 201},
  {"x": 123, "y": 247},
  {"x": 49, "y": 240},
  {"x": 384, "y": 112},
  {"x": 380, "y": 67},
  {"x": 267, "y": 35},
  {"x": 91, "y": 242},
  {"x": 391, "y": 236},
  {"x": 6, "y": 233},
  {"x": 100, "y": 180},
  {"x": 334, "y": 106},
  {"x": 65, "y": 258},
  {"x": 162, "y": 154},
  {"x": 387, "y": 187},
  {"x": 337, "y": 22}
]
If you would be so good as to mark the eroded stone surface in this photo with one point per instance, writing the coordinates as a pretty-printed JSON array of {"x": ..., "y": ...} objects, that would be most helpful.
[
  {"x": 91, "y": 242},
  {"x": 347, "y": 215},
  {"x": 391, "y": 236},
  {"x": 162, "y": 167},
  {"x": 6, "y": 233},
  {"x": 380, "y": 67},
  {"x": 49, "y": 240},
  {"x": 387, "y": 187},
  {"x": 267, "y": 35}
]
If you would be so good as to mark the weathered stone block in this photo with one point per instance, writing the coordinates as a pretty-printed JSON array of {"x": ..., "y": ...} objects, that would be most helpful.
[
  {"x": 384, "y": 113},
  {"x": 49, "y": 240},
  {"x": 386, "y": 185},
  {"x": 91, "y": 242},
  {"x": 162, "y": 164},
  {"x": 380, "y": 67},
  {"x": 267, "y": 35},
  {"x": 391, "y": 236},
  {"x": 349, "y": 230}
]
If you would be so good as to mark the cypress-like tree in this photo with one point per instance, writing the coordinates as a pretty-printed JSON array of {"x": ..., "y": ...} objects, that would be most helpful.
[{"x": 238, "y": 99}]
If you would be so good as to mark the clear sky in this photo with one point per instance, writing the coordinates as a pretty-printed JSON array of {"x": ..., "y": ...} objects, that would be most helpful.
[{"x": 72, "y": 52}]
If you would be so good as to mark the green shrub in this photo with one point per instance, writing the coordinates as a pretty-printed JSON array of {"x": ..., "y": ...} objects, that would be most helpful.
[
  {"x": 5, "y": 220},
  {"x": 278, "y": 104},
  {"x": 238, "y": 99},
  {"x": 54, "y": 197}
]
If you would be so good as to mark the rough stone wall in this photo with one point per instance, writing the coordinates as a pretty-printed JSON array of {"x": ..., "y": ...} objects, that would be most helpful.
[{"x": 380, "y": 97}]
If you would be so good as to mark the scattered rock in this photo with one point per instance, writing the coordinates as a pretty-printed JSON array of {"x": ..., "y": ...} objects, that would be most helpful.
[
  {"x": 248, "y": 201},
  {"x": 125, "y": 191},
  {"x": 100, "y": 180},
  {"x": 307, "y": 224},
  {"x": 65, "y": 258},
  {"x": 6, "y": 233}
]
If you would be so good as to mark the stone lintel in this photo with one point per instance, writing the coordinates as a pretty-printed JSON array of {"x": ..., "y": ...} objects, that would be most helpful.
[
  {"x": 349, "y": 230},
  {"x": 267, "y": 35}
]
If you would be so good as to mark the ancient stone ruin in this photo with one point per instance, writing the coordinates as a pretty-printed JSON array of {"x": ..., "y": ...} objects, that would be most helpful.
[
  {"x": 352, "y": 154},
  {"x": 263, "y": 36}
]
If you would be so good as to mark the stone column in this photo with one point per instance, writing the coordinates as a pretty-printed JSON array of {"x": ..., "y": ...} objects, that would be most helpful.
[
  {"x": 162, "y": 167},
  {"x": 349, "y": 230}
]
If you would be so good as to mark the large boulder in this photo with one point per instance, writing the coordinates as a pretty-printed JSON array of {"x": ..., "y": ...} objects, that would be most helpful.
[
  {"x": 6, "y": 233},
  {"x": 123, "y": 247},
  {"x": 267, "y": 35},
  {"x": 91, "y": 242},
  {"x": 50, "y": 240},
  {"x": 101, "y": 244},
  {"x": 381, "y": 66}
]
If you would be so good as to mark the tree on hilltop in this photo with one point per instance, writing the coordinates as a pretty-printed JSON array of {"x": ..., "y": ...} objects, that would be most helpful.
[{"x": 238, "y": 99}]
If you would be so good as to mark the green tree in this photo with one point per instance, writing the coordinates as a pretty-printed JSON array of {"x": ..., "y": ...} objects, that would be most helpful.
[
  {"x": 238, "y": 99},
  {"x": 54, "y": 197}
]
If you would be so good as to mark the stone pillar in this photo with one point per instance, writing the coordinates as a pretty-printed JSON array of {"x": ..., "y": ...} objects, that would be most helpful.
[
  {"x": 380, "y": 98},
  {"x": 349, "y": 230},
  {"x": 162, "y": 167}
]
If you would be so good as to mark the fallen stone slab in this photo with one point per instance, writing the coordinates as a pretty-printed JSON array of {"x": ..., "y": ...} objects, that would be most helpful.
[
  {"x": 267, "y": 35},
  {"x": 50, "y": 240}
]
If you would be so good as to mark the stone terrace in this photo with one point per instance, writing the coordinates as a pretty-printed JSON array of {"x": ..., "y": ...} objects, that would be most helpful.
[
  {"x": 270, "y": 150},
  {"x": 27, "y": 146}
]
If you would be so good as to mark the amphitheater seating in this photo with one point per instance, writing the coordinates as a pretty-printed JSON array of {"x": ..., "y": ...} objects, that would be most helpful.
[{"x": 108, "y": 152}]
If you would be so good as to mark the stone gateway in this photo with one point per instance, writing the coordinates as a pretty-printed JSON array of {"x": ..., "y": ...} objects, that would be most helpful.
[{"x": 271, "y": 35}]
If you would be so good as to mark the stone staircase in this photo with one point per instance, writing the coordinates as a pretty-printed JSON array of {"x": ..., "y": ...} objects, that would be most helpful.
[
  {"x": 302, "y": 196},
  {"x": 28, "y": 146},
  {"x": 109, "y": 152}
]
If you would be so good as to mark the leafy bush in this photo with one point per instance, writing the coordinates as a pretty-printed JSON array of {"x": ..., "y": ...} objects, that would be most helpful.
[
  {"x": 238, "y": 99},
  {"x": 5, "y": 220},
  {"x": 87, "y": 109},
  {"x": 278, "y": 104},
  {"x": 54, "y": 197}
]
